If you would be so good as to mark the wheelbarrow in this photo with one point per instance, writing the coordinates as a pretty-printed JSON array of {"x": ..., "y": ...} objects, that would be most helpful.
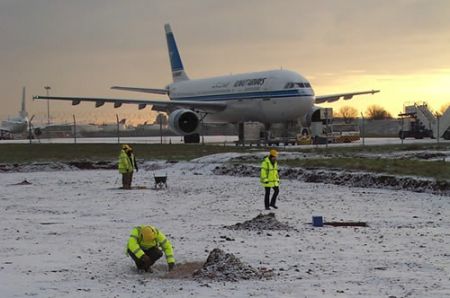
[{"x": 160, "y": 181}]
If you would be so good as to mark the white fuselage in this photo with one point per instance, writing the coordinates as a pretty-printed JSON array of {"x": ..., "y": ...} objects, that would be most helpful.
[
  {"x": 267, "y": 97},
  {"x": 15, "y": 125}
]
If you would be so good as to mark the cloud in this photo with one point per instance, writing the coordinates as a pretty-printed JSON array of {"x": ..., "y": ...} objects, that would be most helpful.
[{"x": 82, "y": 47}]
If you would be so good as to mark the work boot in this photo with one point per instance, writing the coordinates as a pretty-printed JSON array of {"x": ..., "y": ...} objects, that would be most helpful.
[
  {"x": 273, "y": 206},
  {"x": 149, "y": 270},
  {"x": 267, "y": 208}
]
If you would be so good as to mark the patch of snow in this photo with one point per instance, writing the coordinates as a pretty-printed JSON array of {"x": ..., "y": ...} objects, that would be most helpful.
[{"x": 64, "y": 235}]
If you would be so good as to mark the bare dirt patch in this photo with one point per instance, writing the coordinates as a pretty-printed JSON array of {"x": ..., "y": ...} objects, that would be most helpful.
[
  {"x": 346, "y": 223},
  {"x": 184, "y": 270}
]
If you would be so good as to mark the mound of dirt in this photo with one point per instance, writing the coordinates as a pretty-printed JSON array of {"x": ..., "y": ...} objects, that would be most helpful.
[
  {"x": 24, "y": 182},
  {"x": 221, "y": 266},
  {"x": 261, "y": 222}
]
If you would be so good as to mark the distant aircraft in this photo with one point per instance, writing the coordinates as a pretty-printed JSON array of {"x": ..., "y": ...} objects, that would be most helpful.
[
  {"x": 17, "y": 124},
  {"x": 268, "y": 97}
]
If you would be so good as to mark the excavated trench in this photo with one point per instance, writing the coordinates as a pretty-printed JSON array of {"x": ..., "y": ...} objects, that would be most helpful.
[{"x": 346, "y": 178}]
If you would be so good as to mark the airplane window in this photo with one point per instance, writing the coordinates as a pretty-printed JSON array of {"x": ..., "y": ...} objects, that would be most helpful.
[
  {"x": 307, "y": 85},
  {"x": 289, "y": 85},
  {"x": 301, "y": 85}
]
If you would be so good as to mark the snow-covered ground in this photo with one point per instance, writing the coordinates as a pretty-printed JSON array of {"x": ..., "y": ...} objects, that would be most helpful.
[{"x": 64, "y": 236}]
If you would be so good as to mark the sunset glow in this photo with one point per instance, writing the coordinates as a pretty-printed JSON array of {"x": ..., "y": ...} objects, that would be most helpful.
[{"x": 81, "y": 49}]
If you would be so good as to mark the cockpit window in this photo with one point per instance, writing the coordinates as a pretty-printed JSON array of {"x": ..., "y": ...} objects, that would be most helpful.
[
  {"x": 297, "y": 85},
  {"x": 288, "y": 86}
]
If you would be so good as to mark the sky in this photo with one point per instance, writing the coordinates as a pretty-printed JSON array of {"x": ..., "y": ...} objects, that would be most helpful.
[{"x": 82, "y": 48}]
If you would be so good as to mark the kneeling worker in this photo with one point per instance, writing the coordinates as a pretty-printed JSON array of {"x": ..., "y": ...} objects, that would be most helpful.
[{"x": 143, "y": 247}]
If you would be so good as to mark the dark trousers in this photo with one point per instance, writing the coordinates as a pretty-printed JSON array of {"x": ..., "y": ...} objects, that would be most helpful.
[
  {"x": 126, "y": 180},
  {"x": 267, "y": 195},
  {"x": 153, "y": 253}
]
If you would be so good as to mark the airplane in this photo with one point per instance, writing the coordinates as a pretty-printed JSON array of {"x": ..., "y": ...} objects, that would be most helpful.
[
  {"x": 268, "y": 97},
  {"x": 17, "y": 124}
]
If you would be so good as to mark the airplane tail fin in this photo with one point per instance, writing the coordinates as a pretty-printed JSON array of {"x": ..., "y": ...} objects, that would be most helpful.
[
  {"x": 178, "y": 72},
  {"x": 23, "y": 113}
]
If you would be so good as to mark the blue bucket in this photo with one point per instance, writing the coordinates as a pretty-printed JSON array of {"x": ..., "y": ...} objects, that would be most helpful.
[{"x": 317, "y": 221}]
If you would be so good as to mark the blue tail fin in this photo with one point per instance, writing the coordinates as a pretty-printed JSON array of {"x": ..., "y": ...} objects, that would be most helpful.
[{"x": 178, "y": 73}]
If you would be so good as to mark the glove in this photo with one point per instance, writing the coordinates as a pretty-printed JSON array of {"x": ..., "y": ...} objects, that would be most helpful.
[
  {"x": 145, "y": 260},
  {"x": 171, "y": 266}
]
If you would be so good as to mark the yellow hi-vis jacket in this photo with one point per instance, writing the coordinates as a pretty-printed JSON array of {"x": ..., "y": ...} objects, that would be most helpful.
[
  {"x": 136, "y": 246},
  {"x": 125, "y": 163},
  {"x": 269, "y": 173}
]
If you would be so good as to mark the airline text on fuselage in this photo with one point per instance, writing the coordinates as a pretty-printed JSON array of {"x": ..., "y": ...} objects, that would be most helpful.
[{"x": 250, "y": 82}]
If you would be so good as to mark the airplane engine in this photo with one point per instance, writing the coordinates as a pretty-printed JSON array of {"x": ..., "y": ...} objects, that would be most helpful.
[
  {"x": 37, "y": 131},
  {"x": 184, "y": 121}
]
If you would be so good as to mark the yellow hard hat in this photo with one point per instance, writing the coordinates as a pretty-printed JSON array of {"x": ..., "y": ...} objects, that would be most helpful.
[
  {"x": 273, "y": 152},
  {"x": 126, "y": 147},
  {"x": 147, "y": 234}
]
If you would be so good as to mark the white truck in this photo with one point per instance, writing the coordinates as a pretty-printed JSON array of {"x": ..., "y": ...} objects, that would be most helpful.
[{"x": 323, "y": 129}]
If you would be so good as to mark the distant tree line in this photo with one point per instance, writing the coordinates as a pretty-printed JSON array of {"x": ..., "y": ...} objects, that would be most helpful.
[
  {"x": 376, "y": 112},
  {"x": 443, "y": 109},
  {"x": 373, "y": 112}
]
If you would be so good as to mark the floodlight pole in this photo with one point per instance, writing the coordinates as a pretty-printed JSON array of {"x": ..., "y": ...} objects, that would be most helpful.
[
  {"x": 74, "y": 129},
  {"x": 202, "y": 130},
  {"x": 29, "y": 131},
  {"x": 47, "y": 88},
  {"x": 30, "y": 135},
  {"x": 438, "y": 134},
  {"x": 326, "y": 127},
  {"x": 118, "y": 129},
  {"x": 362, "y": 129},
  {"x": 402, "y": 131},
  {"x": 160, "y": 128}
]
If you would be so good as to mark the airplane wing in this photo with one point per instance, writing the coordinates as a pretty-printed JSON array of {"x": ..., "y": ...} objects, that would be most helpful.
[
  {"x": 345, "y": 96},
  {"x": 158, "y": 105},
  {"x": 143, "y": 90}
]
